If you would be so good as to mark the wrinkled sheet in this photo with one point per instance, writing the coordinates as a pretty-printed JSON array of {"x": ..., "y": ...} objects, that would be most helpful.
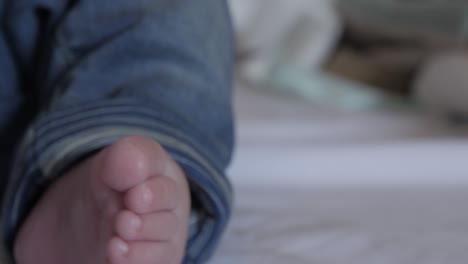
[{"x": 343, "y": 226}]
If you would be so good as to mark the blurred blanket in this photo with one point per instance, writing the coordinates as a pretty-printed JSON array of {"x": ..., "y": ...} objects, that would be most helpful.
[{"x": 326, "y": 187}]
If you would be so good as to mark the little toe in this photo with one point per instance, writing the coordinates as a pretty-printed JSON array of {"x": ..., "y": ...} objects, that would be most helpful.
[
  {"x": 160, "y": 227},
  {"x": 118, "y": 251},
  {"x": 157, "y": 194},
  {"x": 143, "y": 253}
]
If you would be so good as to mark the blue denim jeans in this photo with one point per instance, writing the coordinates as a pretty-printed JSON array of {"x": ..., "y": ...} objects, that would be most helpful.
[{"x": 77, "y": 75}]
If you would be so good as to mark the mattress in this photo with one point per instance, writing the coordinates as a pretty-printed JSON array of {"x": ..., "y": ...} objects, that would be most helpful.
[{"x": 362, "y": 226}]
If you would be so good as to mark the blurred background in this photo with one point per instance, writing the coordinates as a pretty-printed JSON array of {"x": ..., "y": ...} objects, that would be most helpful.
[{"x": 352, "y": 121}]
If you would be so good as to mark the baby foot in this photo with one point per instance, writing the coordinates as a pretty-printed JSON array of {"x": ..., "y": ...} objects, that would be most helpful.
[{"x": 128, "y": 204}]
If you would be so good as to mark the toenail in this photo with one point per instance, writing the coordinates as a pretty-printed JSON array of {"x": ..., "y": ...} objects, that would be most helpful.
[
  {"x": 147, "y": 194},
  {"x": 121, "y": 247},
  {"x": 135, "y": 223}
]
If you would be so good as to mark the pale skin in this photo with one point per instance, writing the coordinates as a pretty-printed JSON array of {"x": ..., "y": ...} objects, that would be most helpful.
[{"x": 128, "y": 204}]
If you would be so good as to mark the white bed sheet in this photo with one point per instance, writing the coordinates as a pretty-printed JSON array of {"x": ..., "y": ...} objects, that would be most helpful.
[{"x": 326, "y": 187}]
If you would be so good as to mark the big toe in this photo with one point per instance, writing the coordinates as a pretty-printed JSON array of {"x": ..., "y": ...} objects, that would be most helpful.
[
  {"x": 156, "y": 194},
  {"x": 130, "y": 161}
]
